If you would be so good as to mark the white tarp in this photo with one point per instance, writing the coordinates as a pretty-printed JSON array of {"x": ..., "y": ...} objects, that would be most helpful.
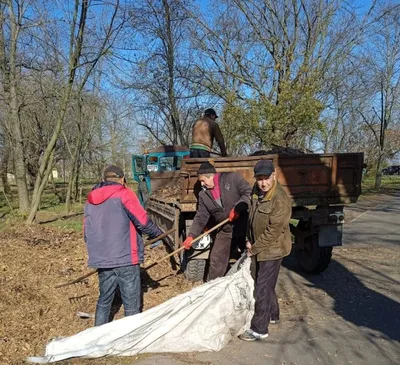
[{"x": 203, "y": 319}]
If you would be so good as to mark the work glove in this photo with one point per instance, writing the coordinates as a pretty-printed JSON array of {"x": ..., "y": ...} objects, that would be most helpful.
[
  {"x": 187, "y": 243},
  {"x": 233, "y": 214}
]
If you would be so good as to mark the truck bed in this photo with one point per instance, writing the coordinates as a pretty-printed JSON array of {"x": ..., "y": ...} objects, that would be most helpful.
[{"x": 310, "y": 179}]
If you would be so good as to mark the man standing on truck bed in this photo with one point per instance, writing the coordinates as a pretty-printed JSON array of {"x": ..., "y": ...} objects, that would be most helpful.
[
  {"x": 203, "y": 134},
  {"x": 269, "y": 241},
  {"x": 113, "y": 223},
  {"x": 224, "y": 195}
]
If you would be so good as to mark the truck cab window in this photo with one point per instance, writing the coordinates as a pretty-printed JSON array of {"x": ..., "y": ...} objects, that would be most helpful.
[{"x": 167, "y": 164}]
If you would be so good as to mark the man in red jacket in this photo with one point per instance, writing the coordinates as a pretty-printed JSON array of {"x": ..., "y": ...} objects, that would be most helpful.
[
  {"x": 224, "y": 195},
  {"x": 113, "y": 223}
]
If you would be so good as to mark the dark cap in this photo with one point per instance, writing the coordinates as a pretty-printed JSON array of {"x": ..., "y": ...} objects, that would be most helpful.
[
  {"x": 210, "y": 111},
  {"x": 113, "y": 171},
  {"x": 264, "y": 167},
  {"x": 206, "y": 168}
]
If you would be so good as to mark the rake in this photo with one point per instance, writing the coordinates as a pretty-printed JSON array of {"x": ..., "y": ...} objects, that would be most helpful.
[{"x": 79, "y": 279}]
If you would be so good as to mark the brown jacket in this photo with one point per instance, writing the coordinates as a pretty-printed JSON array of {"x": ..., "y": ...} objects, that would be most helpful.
[
  {"x": 268, "y": 229},
  {"x": 203, "y": 134},
  {"x": 235, "y": 191}
]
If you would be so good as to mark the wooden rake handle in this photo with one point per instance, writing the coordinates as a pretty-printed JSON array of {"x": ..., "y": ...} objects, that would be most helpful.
[
  {"x": 90, "y": 273},
  {"x": 182, "y": 248},
  {"x": 77, "y": 280},
  {"x": 161, "y": 236}
]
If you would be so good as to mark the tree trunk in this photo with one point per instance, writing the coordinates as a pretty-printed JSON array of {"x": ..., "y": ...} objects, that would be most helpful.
[
  {"x": 46, "y": 164},
  {"x": 77, "y": 178},
  {"x": 378, "y": 174},
  {"x": 72, "y": 177},
  {"x": 37, "y": 193},
  {"x": 113, "y": 138},
  {"x": 76, "y": 44},
  {"x": 4, "y": 167},
  {"x": 10, "y": 80},
  {"x": 19, "y": 163},
  {"x": 69, "y": 189}
]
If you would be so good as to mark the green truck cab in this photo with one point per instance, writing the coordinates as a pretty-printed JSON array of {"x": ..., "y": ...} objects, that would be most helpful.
[{"x": 157, "y": 168}]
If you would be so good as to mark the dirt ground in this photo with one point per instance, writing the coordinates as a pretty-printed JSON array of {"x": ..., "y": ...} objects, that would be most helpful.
[
  {"x": 33, "y": 260},
  {"x": 348, "y": 314}
]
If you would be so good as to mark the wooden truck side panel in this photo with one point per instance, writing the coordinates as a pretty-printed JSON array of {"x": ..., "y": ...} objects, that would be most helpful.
[{"x": 309, "y": 179}]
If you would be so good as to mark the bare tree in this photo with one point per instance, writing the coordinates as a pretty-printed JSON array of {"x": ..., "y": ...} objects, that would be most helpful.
[
  {"x": 4, "y": 160},
  {"x": 12, "y": 23},
  {"x": 281, "y": 54},
  {"x": 82, "y": 60},
  {"x": 86, "y": 111},
  {"x": 380, "y": 79},
  {"x": 164, "y": 101}
]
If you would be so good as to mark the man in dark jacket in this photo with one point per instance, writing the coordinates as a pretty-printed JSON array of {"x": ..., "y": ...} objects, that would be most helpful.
[
  {"x": 113, "y": 223},
  {"x": 203, "y": 134},
  {"x": 224, "y": 195},
  {"x": 269, "y": 240}
]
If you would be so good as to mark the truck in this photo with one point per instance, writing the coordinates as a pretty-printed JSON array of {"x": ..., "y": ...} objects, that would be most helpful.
[
  {"x": 163, "y": 163},
  {"x": 320, "y": 185}
]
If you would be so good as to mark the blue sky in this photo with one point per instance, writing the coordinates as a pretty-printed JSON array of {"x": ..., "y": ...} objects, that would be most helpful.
[{"x": 204, "y": 3}]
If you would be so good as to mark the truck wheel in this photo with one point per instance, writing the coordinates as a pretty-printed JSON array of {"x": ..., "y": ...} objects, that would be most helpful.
[
  {"x": 195, "y": 270},
  {"x": 143, "y": 193},
  {"x": 313, "y": 259}
]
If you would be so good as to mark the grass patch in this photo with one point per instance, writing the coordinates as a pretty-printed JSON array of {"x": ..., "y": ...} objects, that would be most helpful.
[
  {"x": 74, "y": 224},
  {"x": 390, "y": 185},
  {"x": 53, "y": 207}
]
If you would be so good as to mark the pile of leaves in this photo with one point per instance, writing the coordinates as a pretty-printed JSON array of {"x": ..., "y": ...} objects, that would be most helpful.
[
  {"x": 33, "y": 260},
  {"x": 168, "y": 193},
  {"x": 280, "y": 150}
]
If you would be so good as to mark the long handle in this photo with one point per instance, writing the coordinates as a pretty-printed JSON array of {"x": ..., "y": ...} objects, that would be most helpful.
[
  {"x": 161, "y": 236},
  {"x": 182, "y": 248},
  {"x": 90, "y": 273},
  {"x": 77, "y": 280}
]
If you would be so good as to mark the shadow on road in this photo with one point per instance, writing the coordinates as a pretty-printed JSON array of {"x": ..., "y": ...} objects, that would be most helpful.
[{"x": 355, "y": 302}]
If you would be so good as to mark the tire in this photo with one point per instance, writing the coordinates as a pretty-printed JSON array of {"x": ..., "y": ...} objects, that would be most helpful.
[
  {"x": 313, "y": 259},
  {"x": 143, "y": 193},
  {"x": 194, "y": 270}
]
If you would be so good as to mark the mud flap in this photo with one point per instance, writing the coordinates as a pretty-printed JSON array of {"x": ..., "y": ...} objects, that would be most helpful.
[{"x": 330, "y": 235}]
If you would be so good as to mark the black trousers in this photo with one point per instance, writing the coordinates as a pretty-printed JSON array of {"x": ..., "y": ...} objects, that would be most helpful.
[
  {"x": 266, "y": 306},
  {"x": 219, "y": 255},
  {"x": 221, "y": 252},
  {"x": 197, "y": 153}
]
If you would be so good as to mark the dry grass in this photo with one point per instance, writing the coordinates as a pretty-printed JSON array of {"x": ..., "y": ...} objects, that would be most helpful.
[{"x": 33, "y": 260}]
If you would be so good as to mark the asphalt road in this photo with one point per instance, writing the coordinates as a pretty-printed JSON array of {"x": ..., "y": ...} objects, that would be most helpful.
[
  {"x": 379, "y": 225},
  {"x": 350, "y": 314}
]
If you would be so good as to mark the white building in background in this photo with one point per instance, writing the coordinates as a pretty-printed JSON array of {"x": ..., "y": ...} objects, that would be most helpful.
[
  {"x": 55, "y": 173},
  {"x": 10, "y": 178}
]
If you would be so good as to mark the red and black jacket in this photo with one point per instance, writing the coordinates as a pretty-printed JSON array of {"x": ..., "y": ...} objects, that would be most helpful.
[{"x": 114, "y": 222}]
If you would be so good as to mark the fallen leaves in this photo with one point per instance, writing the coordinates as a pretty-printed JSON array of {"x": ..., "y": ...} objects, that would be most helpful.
[{"x": 32, "y": 311}]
